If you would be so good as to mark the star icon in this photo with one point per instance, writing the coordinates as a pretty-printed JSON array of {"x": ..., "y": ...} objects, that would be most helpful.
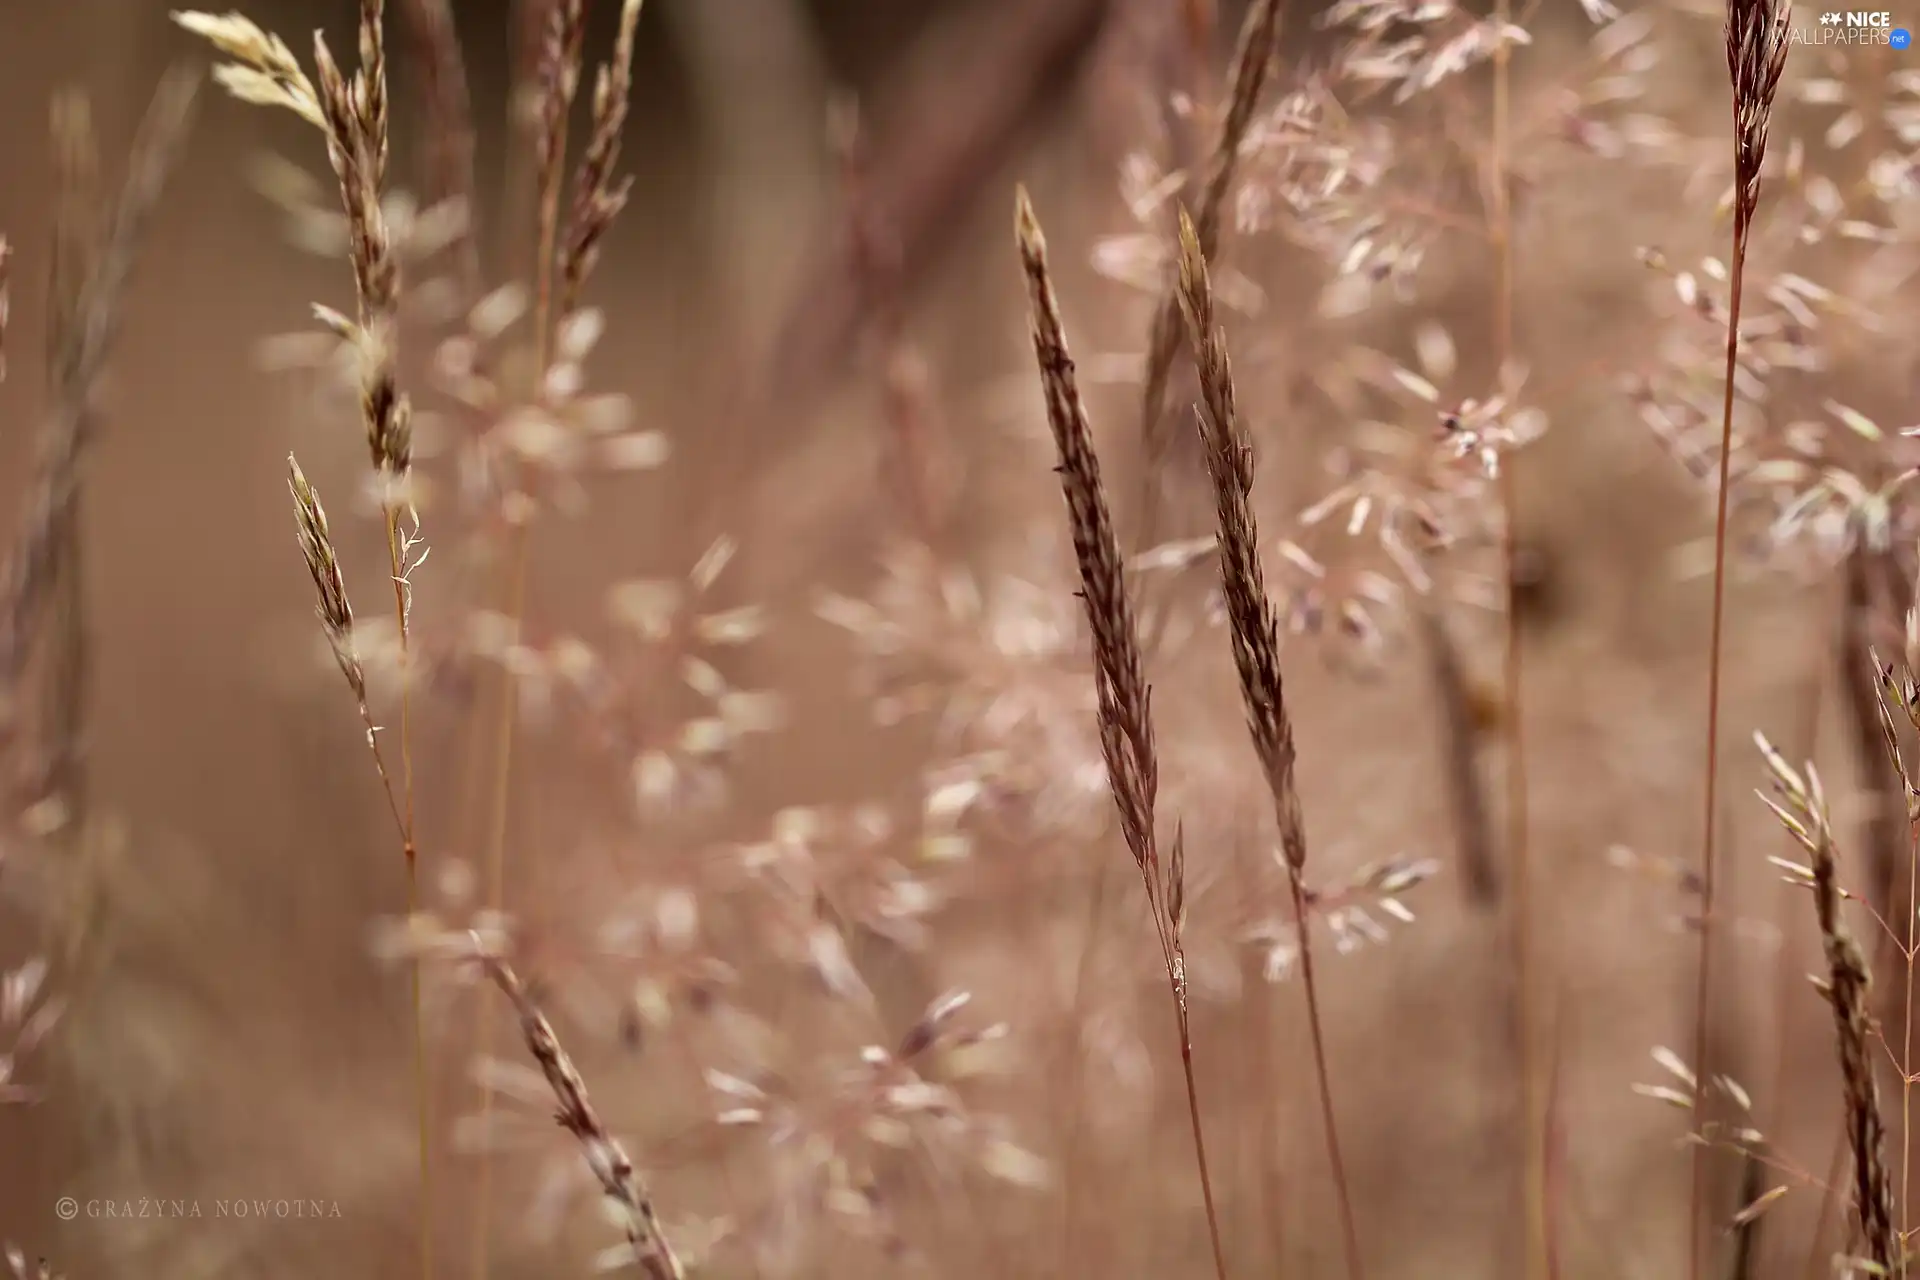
[{"x": 1829, "y": 19}]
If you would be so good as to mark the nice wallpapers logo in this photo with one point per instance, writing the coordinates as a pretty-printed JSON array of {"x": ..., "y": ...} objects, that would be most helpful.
[{"x": 1853, "y": 27}]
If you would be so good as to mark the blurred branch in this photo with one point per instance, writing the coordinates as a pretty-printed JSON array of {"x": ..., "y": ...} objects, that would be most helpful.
[
  {"x": 1460, "y": 757},
  {"x": 1010, "y": 65},
  {"x": 84, "y": 337},
  {"x": 1877, "y": 596},
  {"x": 760, "y": 81}
]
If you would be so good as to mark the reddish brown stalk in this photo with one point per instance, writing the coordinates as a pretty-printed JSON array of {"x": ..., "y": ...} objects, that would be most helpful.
[
  {"x": 1125, "y": 702},
  {"x": 1906, "y": 1024},
  {"x": 1703, "y": 988},
  {"x": 1756, "y": 36},
  {"x": 1264, "y": 1081},
  {"x": 1255, "y": 628}
]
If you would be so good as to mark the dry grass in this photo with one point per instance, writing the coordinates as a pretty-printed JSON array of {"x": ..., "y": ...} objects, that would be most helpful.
[{"x": 742, "y": 794}]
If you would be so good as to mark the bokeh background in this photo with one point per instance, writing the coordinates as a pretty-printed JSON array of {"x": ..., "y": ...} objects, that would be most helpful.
[{"x": 238, "y": 1038}]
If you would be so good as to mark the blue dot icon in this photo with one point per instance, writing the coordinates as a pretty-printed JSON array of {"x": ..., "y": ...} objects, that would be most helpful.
[{"x": 1899, "y": 37}]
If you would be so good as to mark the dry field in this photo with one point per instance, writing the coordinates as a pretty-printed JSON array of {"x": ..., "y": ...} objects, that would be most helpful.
[{"x": 1111, "y": 638}]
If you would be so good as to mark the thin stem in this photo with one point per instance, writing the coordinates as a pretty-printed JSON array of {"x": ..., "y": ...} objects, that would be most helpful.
[
  {"x": 547, "y": 237},
  {"x": 1076, "y": 1124},
  {"x": 1167, "y": 926},
  {"x": 497, "y": 867},
  {"x": 1193, "y": 1117},
  {"x": 1704, "y": 988},
  {"x": 1534, "y": 1135},
  {"x": 1336, "y": 1162},
  {"x": 1862, "y": 690},
  {"x": 1906, "y": 1047},
  {"x": 1265, "y": 1085},
  {"x": 397, "y": 564},
  {"x": 1786, "y": 974}
]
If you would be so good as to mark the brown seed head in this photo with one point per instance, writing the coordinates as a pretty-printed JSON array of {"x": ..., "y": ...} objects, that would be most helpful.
[
  {"x": 332, "y": 607},
  {"x": 1250, "y": 614},
  {"x": 598, "y": 195},
  {"x": 1756, "y": 56},
  {"x": 1800, "y": 803},
  {"x": 1126, "y": 720}
]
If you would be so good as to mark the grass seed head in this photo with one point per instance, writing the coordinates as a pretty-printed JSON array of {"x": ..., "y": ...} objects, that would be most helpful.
[
  {"x": 1756, "y": 56},
  {"x": 1126, "y": 719},
  {"x": 332, "y": 607}
]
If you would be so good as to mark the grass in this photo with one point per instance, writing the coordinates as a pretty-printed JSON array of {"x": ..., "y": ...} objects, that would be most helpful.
[{"x": 796, "y": 848}]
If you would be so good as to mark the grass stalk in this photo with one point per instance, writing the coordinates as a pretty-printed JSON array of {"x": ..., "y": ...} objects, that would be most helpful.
[
  {"x": 561, "y": 270},
  {"x": 1125, "y": 703},
  {"x": 1756, "y": 40},
  {"x": 1252, "y": 63},
  {"x": 1255, "y": 626},
  {"x": 353, "y": 116},
  {"x": 625, "y": 1190},
  {"x": 1521, "y": 907},
  {"x": 1800, "y": 803}
]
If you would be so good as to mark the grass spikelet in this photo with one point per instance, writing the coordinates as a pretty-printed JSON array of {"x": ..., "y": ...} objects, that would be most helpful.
[
  {"x": 1126, "y": 719},
  {"x": 263, "y": 71},
  {"x": 1255, "y": 629},
  {"x": 1800, "y": 803},
  {"x": 598, "y": 195},
  {"x": 604, "y": 1154},
  {"x": 332, "y": 606},
  {"x": 1756, "y": 57},
  {"x": 357, "y": 147},
  {"x": 1252, "y": 61},
  {"x": 1125, "y": 702},
  {"x": 559, "y": 78}
]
